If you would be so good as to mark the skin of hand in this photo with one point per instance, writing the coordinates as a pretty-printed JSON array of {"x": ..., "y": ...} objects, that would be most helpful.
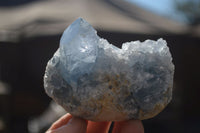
[{"x": 70, "y": 124}]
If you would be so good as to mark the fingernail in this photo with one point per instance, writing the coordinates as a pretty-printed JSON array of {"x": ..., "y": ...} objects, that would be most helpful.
[
  {"x": 74, "y": 119},
  {"x": 71, "y": 120},
  {"x": 75, "y": 124}
]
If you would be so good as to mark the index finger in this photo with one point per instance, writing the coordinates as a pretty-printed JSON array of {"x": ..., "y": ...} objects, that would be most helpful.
[
  {"x": 98, "y": 127},
  {"x": 130, "y": 126}
]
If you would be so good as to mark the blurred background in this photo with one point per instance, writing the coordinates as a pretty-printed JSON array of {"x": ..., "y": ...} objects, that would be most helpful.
[{"x": 30, "y": 31}]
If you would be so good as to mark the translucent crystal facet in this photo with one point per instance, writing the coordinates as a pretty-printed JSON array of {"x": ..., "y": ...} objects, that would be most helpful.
[{"x": 98, "y": 81}]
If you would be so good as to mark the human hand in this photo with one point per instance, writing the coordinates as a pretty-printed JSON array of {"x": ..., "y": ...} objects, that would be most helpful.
[{"x": 70, "y": 124}]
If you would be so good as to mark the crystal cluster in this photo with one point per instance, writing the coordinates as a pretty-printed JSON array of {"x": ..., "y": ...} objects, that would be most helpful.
[{"x": 98, "y": 81}]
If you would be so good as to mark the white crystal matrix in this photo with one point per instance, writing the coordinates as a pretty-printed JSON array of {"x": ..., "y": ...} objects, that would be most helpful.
[{"x": 98, "y": 81}]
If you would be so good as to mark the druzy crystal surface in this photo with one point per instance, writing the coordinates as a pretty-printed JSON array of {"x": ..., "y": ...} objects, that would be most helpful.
[{"x": 98, "y": 81}]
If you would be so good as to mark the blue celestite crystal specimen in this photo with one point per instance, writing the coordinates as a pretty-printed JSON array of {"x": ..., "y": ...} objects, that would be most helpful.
[{"x": 98, "y": 81}]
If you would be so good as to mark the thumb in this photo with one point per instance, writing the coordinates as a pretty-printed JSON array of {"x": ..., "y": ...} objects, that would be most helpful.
[{"x": 75, "y": 125}]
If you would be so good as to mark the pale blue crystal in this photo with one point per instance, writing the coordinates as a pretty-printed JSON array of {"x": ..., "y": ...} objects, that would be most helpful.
[
  {"x": 88, "y": 73},
  {"x": 78, "y": 50}
]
